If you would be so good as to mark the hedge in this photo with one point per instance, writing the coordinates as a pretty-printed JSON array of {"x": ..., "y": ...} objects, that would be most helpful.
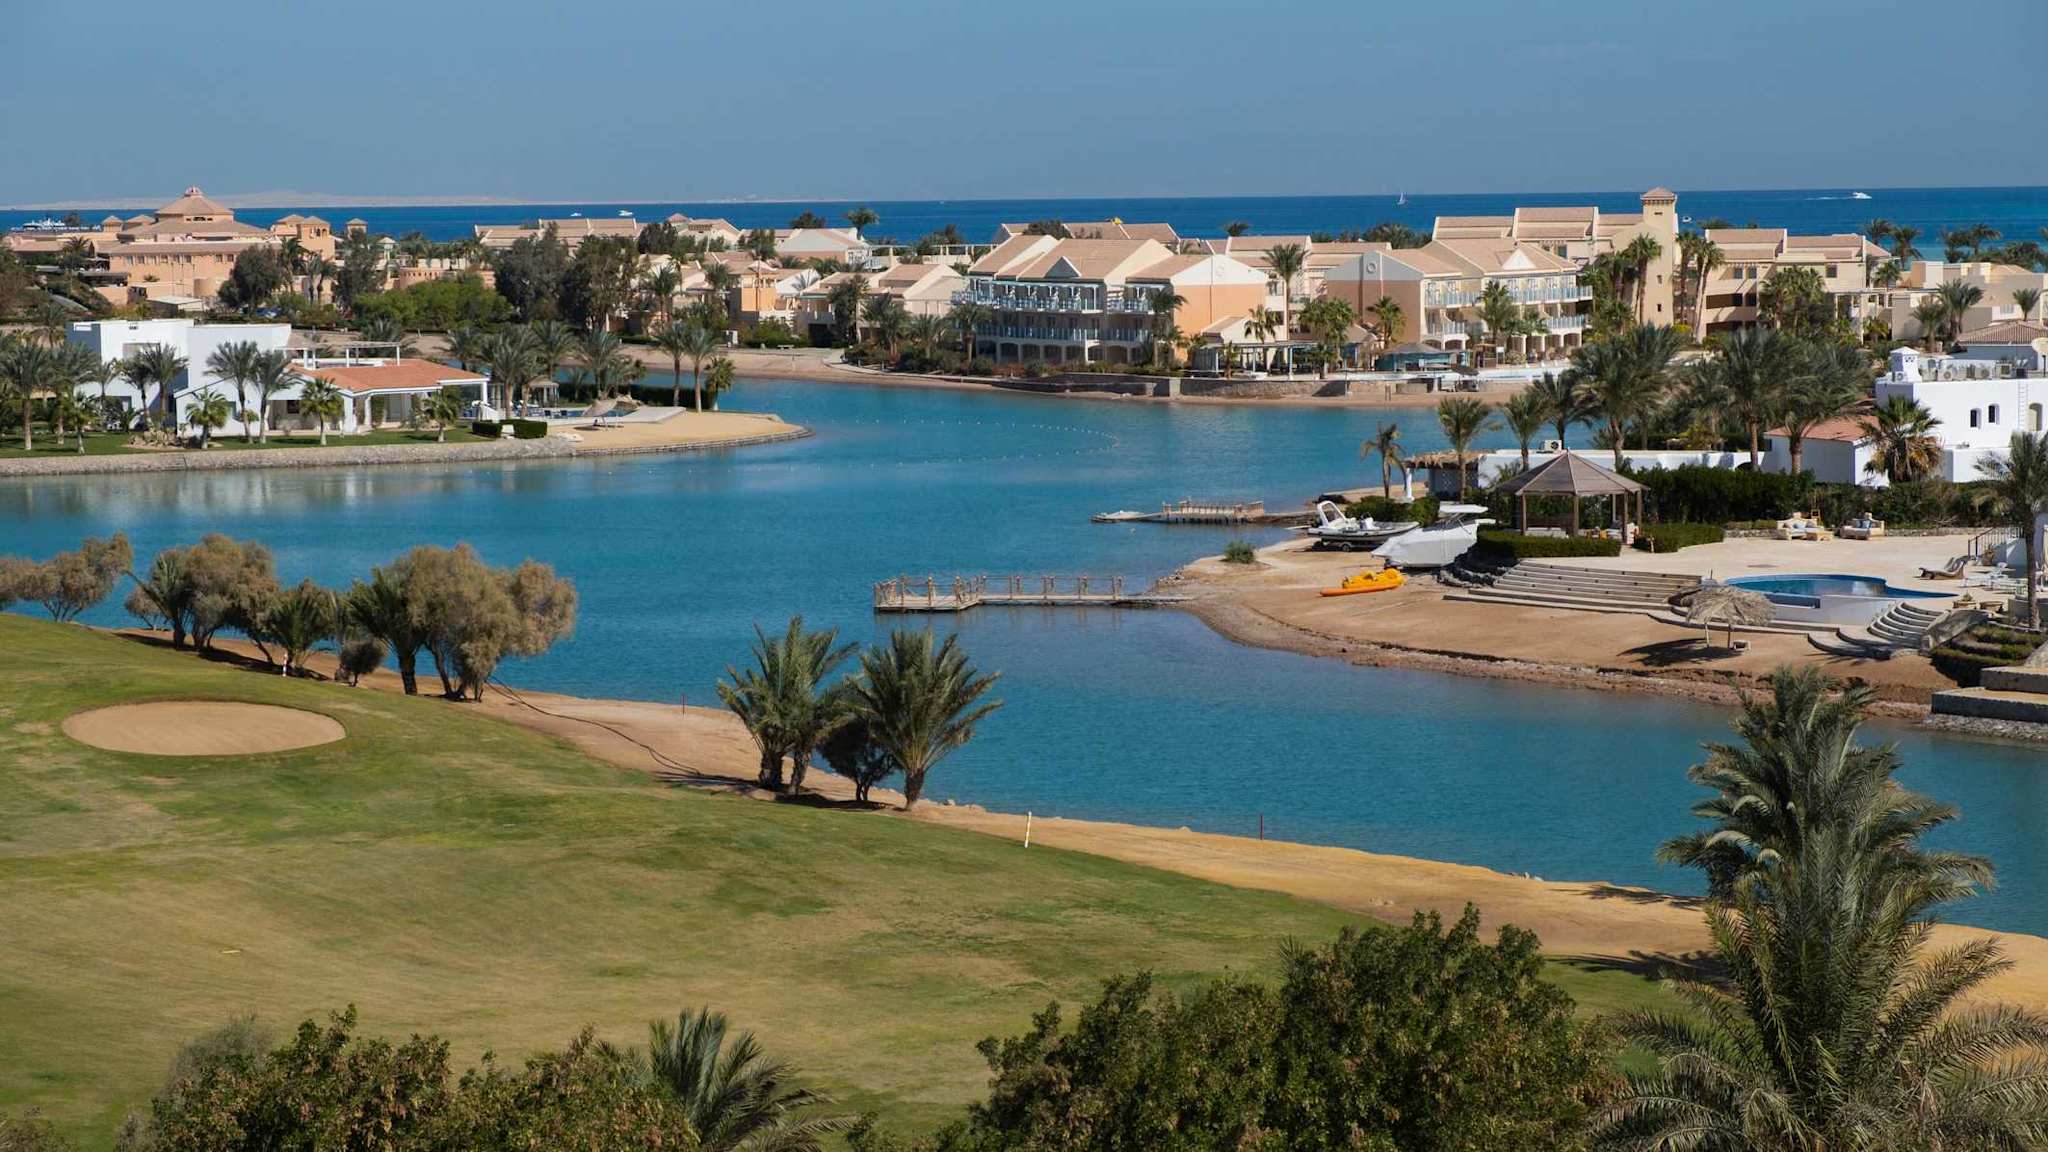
[
  {"x": 1385, "y": 511},
  {"x": 1519, "y": 547},
  {"x": 488, "y": 429},
  {"x": 529, "y": 429},
  {"x": 1672, "y": 537},
  {"x": 1697, "y": 494},
  {"x": 1988, "y": 645}
]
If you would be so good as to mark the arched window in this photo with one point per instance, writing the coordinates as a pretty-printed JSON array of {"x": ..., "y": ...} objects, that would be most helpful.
[
  {"x": 2033, "y": 417},
  {"x": 1991, "y": 414},
  {"x": 1974, "y": 418}
]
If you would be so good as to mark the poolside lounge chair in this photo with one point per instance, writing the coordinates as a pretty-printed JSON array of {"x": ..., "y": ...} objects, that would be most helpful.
[
  {"x": 1800, "y": 526},
  {"x": 1864, "y": 527},
  {"x": 1954, "y": 570}
]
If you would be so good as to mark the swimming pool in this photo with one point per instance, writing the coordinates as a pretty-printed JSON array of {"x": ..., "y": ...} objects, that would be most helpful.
[{"x": 1813, "y": 587}]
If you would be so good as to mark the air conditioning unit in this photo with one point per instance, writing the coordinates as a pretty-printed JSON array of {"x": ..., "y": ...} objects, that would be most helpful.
[{"x": 1553, "y": 446}]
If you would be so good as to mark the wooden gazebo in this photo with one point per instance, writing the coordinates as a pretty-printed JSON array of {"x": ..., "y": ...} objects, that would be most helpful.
[{"x": 1569, "y": 474}]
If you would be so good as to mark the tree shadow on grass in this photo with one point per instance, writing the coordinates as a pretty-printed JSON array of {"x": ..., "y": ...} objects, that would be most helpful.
[
  {"x": 1651, "y": 965},
  {"x": 1643, "y": 896}
]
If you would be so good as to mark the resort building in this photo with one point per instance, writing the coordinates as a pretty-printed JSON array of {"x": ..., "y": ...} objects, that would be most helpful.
[
  {"x": 1090, "y": 301},
  {"x": 380, "y": 387},
  {"x": 179, "y": 255},
  {"x": 840, "y": 245},
  {"x": 195, "y": 342},
  {"x": 571, "y": 230},
  {"x": 705, "y": 228},
  {"x": 922, "y": 290},
  {"x": 1099, "y": 230},
  {"x": 1579, "y": 234},
  {"x": 1982, "y": 393},
  {"x": 1995, "y": 283},
  {"x": 1309, "y": 283},
  {"x": 1732, "y": 294},
  {"x": 1438, "y": 288}
]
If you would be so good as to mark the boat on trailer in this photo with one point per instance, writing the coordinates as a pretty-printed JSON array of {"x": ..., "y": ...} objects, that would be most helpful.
[
  {"x": 1333, "y": 529},
  {"x": 1456, "y": 529}
]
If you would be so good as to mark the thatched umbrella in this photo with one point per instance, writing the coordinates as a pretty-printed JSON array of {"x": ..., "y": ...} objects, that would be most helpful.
[{"x": 1731, "y": 606}]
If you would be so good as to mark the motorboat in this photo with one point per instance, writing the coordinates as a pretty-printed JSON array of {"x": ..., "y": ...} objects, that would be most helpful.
[
  {"x": 1456, "y": 529},
  {"x": 1384, "y": 580},
  {"x": 1333, "y": 529}
]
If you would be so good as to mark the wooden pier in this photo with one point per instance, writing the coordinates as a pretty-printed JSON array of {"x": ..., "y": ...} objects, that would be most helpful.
[
  {"x": 1192, "y": 512},
  {"x": 958, "y": 594}
]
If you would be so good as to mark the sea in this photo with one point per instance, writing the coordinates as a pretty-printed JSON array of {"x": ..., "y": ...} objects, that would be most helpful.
[
  {"x": 2017, "y": 213},
  {"x": 1136, "y": 715}
]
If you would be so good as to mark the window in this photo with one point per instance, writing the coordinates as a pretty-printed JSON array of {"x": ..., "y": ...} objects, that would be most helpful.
[
  {"x": 1833, "y": 271},
  {"x": 1991, "y": 414},
  {"x": 1973, "y": 417}
]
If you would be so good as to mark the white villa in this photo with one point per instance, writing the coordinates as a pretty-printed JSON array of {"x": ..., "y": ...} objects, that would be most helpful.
[{"x": 380, "y": 385}]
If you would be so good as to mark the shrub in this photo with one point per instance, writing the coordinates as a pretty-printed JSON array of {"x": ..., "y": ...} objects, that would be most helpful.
[
  {"x": 1037, "y": 370},
  {"x": 772, "y": 333},
  {"x": 488, "y": 429},
  {"x": 1422, "y": 510},
  {"x": 1717, "y": 495},
  {"x": 360, "y": 657},
  {"x": 1672, "y": 537},
  {"x": 529, "y": 429},
  {"x": 1239, "y": 552},
  {"x": 1515, "y": 545}
]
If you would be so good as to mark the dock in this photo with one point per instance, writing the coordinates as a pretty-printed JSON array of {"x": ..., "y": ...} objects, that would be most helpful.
[
  {"x": 1203, "y": 512},
  {"x": 960, "y": 593}
]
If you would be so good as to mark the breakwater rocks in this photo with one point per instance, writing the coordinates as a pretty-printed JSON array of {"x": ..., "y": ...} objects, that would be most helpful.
[{"x": 344, "y": 455}]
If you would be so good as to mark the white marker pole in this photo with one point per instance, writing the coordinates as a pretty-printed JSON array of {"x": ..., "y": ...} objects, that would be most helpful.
[{"x": 1027, "y": 829}]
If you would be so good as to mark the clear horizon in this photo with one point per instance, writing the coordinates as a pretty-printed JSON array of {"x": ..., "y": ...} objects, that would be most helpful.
[{"x": 811, "y": 101}]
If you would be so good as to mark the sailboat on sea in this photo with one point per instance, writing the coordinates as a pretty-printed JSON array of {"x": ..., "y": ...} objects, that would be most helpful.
[{"x": 1401, "y": 200}]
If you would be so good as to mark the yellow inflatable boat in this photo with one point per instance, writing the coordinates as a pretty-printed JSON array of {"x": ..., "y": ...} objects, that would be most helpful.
[{"x": 1381, "y": 581}]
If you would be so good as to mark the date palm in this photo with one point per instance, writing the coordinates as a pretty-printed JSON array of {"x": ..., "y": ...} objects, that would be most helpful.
[
  {"x": 1706, "y": 257},
  {"x": 1832, "y": 1024},
  {"x": 1957, "y": 298},
  {"x": 861, "y": 218},
  {"x": 2019, "y": 492},
  {"x": 273, "y": 375},
  {"x": 1526, "y": 414},
  {"x": 1462, "y": 419},
  {"x": 733, "y": 1095},
  {"x": 158, "y": 364},
  {"x": 1932, "y": 316},
  {"x": 1902, "y": 236},
  {"x": 967, "y": 318},
  {"x": 701, "y": 344},
  {"x": 673, "y": 338},
  {"x": 921, "y": 702},
  {"x": 553, "y": 344},
  {"x": 1386, "y": 444},
  {"x": 511, "y": 359},
  {"x": 104, "y": 375},
  {"x": 926, "y": 332},
  {"x": 1637, "y": 256},
  {"x": 1907, "y": 449},
  {"x": 1832, "y": 381},
  {"x": 1500, "y": 314},
  {"x": 1165, "y": 302},
  {"x": 1746, "y": 381},
  {"x": 1386, "y": 316},
  {"x": 209, "y": 411},
  {"x": 2024, "y": 299},
  {"x": 323, "y": 401},
  {"x": 1566, "y": 401},
  {"x": 1627, "y": 375},
  {"x": 237, "y": 363},
  {"x": 26, "y": 368},
  {"x": 1286, "y": 260},
  {"x": 444, "y": 408},
  {"x": 466, "y": 345},
  {"x": 783, "y": 700}
]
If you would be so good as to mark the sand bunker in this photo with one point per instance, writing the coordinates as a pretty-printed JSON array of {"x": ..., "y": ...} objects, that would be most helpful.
[{"x": 201, "y": 728}]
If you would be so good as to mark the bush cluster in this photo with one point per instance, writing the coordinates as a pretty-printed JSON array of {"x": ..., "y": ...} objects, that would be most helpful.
[
  {"x": 69, "y": 582},
  {"x": 1239, "y": 552},
  {"x": 488, "y": 429},
  {"x": 1515, "y": 545},
  {"x": 1672, "y": 537},
  {"x": 529, "y": 429},
  {"x": 1705, "y": 495}
]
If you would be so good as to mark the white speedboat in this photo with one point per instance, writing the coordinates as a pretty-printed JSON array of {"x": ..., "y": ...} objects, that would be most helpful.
[
  {"x": 1456, "y": 529},
  {"x": 1333, "y": 529}
]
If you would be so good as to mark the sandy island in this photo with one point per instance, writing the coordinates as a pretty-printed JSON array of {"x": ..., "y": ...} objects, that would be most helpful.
[{"x": 1636, "y": 928}]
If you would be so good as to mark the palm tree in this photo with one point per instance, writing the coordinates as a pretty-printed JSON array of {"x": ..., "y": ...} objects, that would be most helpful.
[
  {"x": 1164, "y": 301},
  {"x": 1462, "y": 418},
  {"x": 1386, "y": 319},
  {"x": 845, "y": 299},
  {"x": 1526, "y": 414},
  {"x": 1832, "y": 1025},
  {"x": 466, "y": 345},
  {"x": 1746, "y": 381},
  {"x": 701, "y": 344},
  {"x": 925, "y": 331},
  {"x": 1386, "y": 444},
  {"x": 674, "y": 339},
  {"x": 782, "y": 700},
  {"x": 1958, "y": 297},
  {"x": 1286, "y": 260},
  {"x": 885, "y": 320},
  {"x": 861, "y": 217},
  {"x": 1501, "y": 315},
  {"x": 553, "y": 343},
  {"x": 157, "y": 364},
  {"x": 444, "y": 408},
  {"x": 1237, "y": 228},
  {"x": 273, "y": 375},
  {"x": 1707, "y": 256},
  {"x": 733, "y": 1095},
  {"x": 323, "y": 401},
  {"x": 237, "y": 363},
  {"x": 104, "y": 375},
  {"x": 2019, "y": 492},
  {"x": 1565, "y": 401},
  {"x": 1832, "y": 382},
  {"x": 921, "y": 702},
  {"x": 25, "y": 368},
  {"x": 1907, "y": 449},
  {"x": 1932, "y": 316},
  {"x": 209, "y": 411},
  {"x": 511, "y": 359},
  {"x": 1627, "y": 374},
  {"x": 1637, "y": 256},
  {"x": 2024, "y": 299},
  {"x": 967, "y": 318}
]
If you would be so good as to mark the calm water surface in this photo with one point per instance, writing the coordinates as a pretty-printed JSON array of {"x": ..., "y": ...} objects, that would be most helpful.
[{"x": 1140, "y": 715}]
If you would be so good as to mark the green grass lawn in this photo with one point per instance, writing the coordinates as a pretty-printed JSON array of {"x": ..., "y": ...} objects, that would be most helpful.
[
  {"x": 116, "y": 443},
  {"x": 450, "y": 873}
]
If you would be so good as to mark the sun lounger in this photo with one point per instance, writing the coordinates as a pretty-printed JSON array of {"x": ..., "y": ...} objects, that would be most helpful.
[
  {"x": 1803, "y": 528},
  {"x": 1863, "y": 528},
  {"x": 1954, "y": 571}
]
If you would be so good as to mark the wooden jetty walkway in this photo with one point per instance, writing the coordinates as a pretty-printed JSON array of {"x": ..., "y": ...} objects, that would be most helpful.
[
  {"x": 1192, "y": 512},
  {"x": 931, "y": 594}
]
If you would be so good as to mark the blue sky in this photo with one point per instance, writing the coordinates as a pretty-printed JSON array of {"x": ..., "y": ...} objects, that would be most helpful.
[{"x": 686, "y": 100}]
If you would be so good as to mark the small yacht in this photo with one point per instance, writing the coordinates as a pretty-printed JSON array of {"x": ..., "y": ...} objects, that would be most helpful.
[
  {"x": 1456, "y": 529},
  {"x": 1333, "y": 529}
]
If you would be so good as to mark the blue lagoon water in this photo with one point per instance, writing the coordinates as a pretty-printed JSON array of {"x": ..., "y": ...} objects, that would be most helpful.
[{"x": 1144, "y": 716}]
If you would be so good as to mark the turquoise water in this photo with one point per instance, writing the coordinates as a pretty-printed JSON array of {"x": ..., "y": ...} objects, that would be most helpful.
[
  {"x": 1135, "y": 715},
  {"x": 1833, "y": 586}
]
